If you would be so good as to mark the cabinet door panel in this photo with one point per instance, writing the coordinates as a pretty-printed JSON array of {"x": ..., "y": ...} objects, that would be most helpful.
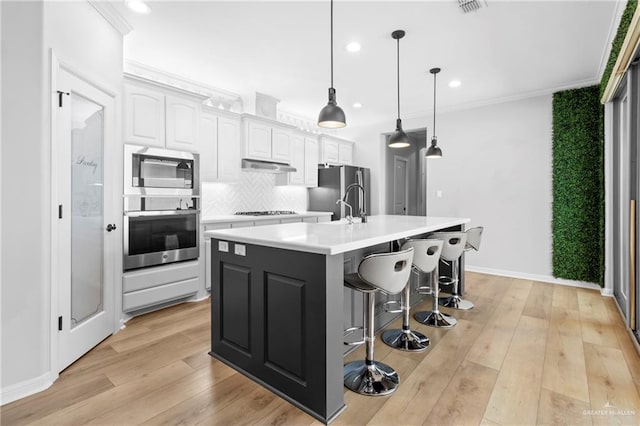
[
  {"x": 143, "y": 116},
  {"x": 297, "y": 160},
  {"x": 345, "y": 153},
  {"x": 258, "y": 141},
  {"x": 281, "y": 145},
  {"x": 208, "y": 147},
  {"x": 330, "y": 152},
  {"x": 182, "y": 123},
  {"x": 310, "y": 162},
  {"x": 228, "y": 149}
]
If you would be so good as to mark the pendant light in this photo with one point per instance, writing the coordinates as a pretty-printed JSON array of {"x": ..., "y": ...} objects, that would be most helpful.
[
  {"x": 399, "y": 138},
  {"x": 332, "y": 116},
  {"x": 434, "y": 151}
]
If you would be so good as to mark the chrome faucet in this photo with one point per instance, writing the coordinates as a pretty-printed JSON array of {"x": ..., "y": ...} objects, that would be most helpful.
[
  {"x": 361, "y": 213},
  {"x": 350, "y": 215}
]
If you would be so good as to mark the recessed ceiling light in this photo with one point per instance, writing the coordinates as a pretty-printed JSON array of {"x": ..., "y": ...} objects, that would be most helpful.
[
  {"x": 454, "y": 83},
  {"x": 357, "y": 105},
  {"x": 353, "y": 46},
  {"x": 138, "y": 6}
]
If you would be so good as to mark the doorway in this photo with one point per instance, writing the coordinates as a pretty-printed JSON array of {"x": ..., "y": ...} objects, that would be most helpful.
[
  {"x": 83, "y": 172},
  {"x": 406, "y": 176}
]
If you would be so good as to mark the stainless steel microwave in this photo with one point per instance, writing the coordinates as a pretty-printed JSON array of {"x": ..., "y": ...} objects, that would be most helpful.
[{"x": 157, "y": 171}]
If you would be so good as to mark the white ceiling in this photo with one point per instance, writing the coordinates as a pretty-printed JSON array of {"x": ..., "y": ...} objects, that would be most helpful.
[{"x": 507, "y": 49}]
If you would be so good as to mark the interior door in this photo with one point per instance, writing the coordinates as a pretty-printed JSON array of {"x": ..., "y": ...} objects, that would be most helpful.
[
  {"x": 400, "y": 185},
  {"x": 85, "y": 255}
]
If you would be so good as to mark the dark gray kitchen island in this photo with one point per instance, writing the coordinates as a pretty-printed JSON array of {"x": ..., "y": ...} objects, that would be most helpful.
[{"x": 277, "y": 301}]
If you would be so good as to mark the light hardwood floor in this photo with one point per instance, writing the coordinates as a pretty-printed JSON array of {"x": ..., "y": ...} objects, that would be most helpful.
[{"x": 528, "y": 353}]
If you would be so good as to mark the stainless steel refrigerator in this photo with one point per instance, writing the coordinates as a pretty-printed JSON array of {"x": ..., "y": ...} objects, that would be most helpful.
[{"x": 332, "y": 183}]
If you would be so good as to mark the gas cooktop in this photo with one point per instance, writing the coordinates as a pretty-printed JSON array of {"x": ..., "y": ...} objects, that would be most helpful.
[{"x": 266, "y": 213}]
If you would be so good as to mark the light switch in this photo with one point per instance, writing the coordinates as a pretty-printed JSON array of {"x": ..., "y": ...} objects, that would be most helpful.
[
  {"x": 240, "y": 249},
  {"x": 223, "y": 246},
  {"x": 439, "y": 193}
]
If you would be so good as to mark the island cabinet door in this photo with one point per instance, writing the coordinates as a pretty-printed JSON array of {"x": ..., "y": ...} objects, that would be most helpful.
[{"x": 269, "y": 320}]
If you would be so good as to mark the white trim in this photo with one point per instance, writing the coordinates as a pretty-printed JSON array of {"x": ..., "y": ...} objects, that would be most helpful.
[
  {"x": 112, "y": 16},
  {"x": 535, "y": 277},
  {"x": 53, "y": 152},
  {"x": 27, "y": 387},
  {"x": 608, "y": 198}
]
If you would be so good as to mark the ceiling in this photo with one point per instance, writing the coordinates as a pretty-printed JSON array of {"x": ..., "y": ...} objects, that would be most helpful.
[{"x": 505, "y": 50}]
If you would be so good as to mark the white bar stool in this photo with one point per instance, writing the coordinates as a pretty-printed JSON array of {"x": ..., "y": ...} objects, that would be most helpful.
[
  {"x": 474, "y": 236},
  {"x": 453, "y": 248},
  {"x": 387, "y": 272},
  {"x": 426, "y": 256}
]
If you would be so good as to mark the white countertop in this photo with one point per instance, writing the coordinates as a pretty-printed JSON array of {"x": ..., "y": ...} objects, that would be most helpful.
[
  {"x": 336, "y": 237},
  {"x": 244, "y": 218}
]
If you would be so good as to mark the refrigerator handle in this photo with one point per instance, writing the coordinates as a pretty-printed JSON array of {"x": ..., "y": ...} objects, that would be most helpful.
[{"x": 360, "y": 182}]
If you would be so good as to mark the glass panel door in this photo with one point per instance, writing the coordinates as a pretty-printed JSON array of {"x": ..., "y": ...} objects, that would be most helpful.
[{"x": 87, "y": 209}]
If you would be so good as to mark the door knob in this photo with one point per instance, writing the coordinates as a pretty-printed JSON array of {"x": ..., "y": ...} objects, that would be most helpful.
[{"x": 111, "y": 227}]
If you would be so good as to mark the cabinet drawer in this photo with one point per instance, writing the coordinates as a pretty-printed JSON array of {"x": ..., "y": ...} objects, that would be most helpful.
[
  {"x": 153, "y": 277},
  {"x": 156, "y": 295},
  {"x": 312, "y": 219}
]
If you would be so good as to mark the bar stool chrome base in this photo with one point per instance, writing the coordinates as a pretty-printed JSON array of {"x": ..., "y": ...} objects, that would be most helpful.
[
  {"x": 455, "y": 302},
  {"x": 377, "y": 379},
  {"x": 406, "y": 340},
  {"x": 435, "y": 319}
]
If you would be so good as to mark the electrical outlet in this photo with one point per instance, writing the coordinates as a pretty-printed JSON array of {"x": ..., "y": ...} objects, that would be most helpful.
[
  {"x": 223, "y": 246},
  {"x": 240, "y": 249}
]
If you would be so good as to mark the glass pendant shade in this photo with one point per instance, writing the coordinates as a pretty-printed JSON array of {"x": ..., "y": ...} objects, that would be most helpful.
[
  {"x": 434, "y": 150},
  {"x": 332, "y": 116},
  {"x": 399, "y": 139}
]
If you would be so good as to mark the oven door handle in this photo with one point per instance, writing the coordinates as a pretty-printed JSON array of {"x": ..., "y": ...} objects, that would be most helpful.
[{"x": 162, "y": 213}]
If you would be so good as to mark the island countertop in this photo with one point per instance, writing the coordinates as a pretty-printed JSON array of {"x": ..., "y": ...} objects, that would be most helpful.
[{"x": 331, "y": 238}]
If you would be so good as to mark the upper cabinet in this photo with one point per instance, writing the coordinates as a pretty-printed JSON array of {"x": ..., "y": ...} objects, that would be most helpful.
[
  {"x": 160, "y": 117},
  {"x": 266, "y": 140},
  {"x": 304, "y": 157},
  {"x": 219, "y": 146},
  {"x": 335, "y": 151}
]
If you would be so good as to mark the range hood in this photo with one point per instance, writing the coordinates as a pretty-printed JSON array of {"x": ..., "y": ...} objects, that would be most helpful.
[{"x": 266, "y": 166}]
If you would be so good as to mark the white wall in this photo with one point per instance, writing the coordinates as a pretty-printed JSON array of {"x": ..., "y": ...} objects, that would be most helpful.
[
  {"x": 84, "y": 41},
  {"x": 496, "y": 170}
]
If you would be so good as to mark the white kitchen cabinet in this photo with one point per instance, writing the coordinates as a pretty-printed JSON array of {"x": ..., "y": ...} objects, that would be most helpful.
[
  {"x": 336, "y": 151},
  {"x": 159, "y": 116},
  {"x": 181, "y": 123},
  {"x": 219, "y": 147},
  {"x": 311, "y": 162},
  {"x": 280, "y": 145},
  {"x": 258, "y": 141},
  {"x": 266, "y": 140},
  {"x": 143, "y": 116},
  {"x": 148, "y": 287},
  {"x": 304, "y": 157}
]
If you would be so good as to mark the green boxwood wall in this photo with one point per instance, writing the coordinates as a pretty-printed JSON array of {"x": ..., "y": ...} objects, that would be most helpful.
[
  {"x": 625, "y": 21},
  {"x": 578, "y": 185}
]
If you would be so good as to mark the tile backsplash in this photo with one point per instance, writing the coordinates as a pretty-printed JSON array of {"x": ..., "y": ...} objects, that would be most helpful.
[{"x": 253, "y": 192}]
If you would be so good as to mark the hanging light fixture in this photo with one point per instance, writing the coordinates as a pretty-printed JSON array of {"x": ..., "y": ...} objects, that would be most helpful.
[
  {"x": 399, "y": 138},
  {"x": 332, "y": 116},
  {"x": 434, "y": 151}
]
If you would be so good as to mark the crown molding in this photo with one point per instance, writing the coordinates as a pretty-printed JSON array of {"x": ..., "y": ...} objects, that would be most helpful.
[
  {"x": 220, "y": 98},
  {"x": 112, "y": 16}
]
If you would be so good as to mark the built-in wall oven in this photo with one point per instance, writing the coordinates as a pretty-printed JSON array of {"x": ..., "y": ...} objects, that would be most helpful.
[{"x": 161, "y": 207}]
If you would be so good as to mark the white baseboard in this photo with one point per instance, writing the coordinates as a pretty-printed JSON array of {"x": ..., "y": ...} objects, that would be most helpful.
[
  {"x": 28, "y": 387},
  {"x": 535, "y": 277}
]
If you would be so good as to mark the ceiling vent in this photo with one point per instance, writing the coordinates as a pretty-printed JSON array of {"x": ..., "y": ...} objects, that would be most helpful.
[{"x": 467, "y": 6}]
